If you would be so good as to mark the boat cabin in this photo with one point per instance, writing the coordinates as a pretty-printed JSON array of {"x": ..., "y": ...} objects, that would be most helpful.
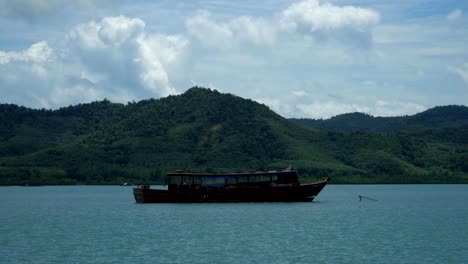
[{"x": 179, "y": 180}]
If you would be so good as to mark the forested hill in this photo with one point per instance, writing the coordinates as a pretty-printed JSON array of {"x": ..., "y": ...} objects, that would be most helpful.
[
  {"x": 204, "y": 130},
  {"x": 440, "y": 116}
]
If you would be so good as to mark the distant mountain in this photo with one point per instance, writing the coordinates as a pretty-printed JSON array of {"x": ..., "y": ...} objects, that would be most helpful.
[
  {"x": 204, "y": 130},
  {"x": 440, "y": 116}
]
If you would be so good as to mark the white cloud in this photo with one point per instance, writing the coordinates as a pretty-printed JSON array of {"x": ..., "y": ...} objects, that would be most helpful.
[
  {"x": 277, "y": 105},
  {"x": 326, "y": 21},
  {"x": 454, "y": 15},
  {"x": 207, "y": 31},
  {"x": 67, "y": 95},
  {"x": 305, "y": 53},
  {"x": 118, "y": 30},
  {"x": 86, "y": 36},
  {"x": 328, "y": 109},
  {"x": 322, "y": 21},
  {"x": 313, "y": 16},
  {"x": 39, "y": 52},
  {"x": 215, "y": 34},
  {"x": 255, "y": 30},
  {"x": 119, "y": 50},
  {"x": 115, "y": 58},
  {"x": 299, "y": 93},
  {"x": 92, "y": 77},
  {"x": 39, "y": 70},
  {"x": 32, "y": 63},
  {"x": 396, "y": 108},
  {"x": 461, "y": 71},
  {"x": 154, "y": 53},
  {"x": 110, "y": 31},
  {"x": 24, "y": 75}
]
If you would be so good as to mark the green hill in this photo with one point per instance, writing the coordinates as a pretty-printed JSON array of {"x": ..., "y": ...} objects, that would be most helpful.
[
  {"x": 204, "y": 130},
  {"x": 440, "y": 116}
]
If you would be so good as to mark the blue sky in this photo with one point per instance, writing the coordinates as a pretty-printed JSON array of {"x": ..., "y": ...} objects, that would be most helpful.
[{"x": 308, "y": 58}]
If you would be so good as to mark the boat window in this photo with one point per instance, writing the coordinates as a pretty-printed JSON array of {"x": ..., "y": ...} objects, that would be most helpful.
[
  {"x": 241, "y": 179},
  {"x": 264, "y": 178},
  {"x": 232, "y": 180},
  {"x": 175, "y": 180},
  {"x": 289, "y": 178},
  {"x": 197, "y": 180},
  {"x": 260, "y": 178},
  {"x": 213, "y": 181}
]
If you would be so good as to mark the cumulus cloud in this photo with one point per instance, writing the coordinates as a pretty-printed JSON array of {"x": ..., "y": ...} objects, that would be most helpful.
[
  {"x": 114, "y": 58},
  {"x": 299, "y": 54},
  {"x": 255, "y": 30},
  {"x": 313, "y": 16},
  {"x": 310, "y": 18},
  {"x": 208, "y": 31},
  {"x": 454, "y": 15},
  {"x": 217, "y": 34},
  {"x": 326, "y": 21},
  {"x": 110, "y": 31},
  {"x": 24, "y": 74},
  {"x": 39, "y": 52},
  {"x": 153, "y": 54},
  {"x": 119, "y": 49},
  {"x": 34, "y": 62}
]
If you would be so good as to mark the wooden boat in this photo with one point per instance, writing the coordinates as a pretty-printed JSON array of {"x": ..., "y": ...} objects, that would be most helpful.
[{"x": 258, "y": 186}]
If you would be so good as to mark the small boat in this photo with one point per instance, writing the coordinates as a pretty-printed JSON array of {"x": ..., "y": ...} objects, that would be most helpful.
[{"x": 258, "y": 186}]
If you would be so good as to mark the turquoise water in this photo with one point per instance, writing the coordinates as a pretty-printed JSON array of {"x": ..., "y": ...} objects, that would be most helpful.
[{"x": 103, "y": 224}]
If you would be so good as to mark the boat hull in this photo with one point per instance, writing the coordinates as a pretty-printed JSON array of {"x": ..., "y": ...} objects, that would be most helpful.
[{"x": 278, "y": 193}]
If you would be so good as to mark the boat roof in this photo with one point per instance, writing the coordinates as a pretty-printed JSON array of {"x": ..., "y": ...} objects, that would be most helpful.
[{"x": 231, "y": 174}]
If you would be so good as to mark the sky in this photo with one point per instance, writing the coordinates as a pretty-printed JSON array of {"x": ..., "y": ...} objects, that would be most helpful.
[{"x": 302, "y": 58}]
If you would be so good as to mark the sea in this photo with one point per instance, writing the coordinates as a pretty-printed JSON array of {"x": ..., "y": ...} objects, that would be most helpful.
[{"x": 103, "y": 224}]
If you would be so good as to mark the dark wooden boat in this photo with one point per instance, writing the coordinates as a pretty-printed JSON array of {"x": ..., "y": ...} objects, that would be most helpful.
[{"x": 259, "y": 186}]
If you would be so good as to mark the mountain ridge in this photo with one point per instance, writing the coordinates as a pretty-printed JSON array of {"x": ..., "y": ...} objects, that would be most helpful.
[
  {"x": 205, "y": 130},
  {"x": 449, "y": 115}
]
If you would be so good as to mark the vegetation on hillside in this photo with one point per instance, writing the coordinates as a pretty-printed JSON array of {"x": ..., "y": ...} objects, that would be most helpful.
[
  {"x": 204, "y": 130},
  {"x": 439, "y": 116}
]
